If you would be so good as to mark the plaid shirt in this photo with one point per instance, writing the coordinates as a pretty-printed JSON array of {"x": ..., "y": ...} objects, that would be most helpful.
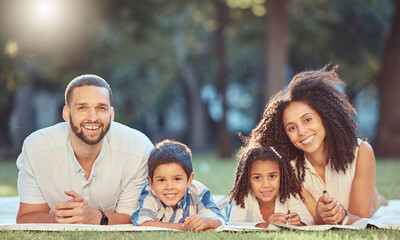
[{"x": 197, "y": 200}]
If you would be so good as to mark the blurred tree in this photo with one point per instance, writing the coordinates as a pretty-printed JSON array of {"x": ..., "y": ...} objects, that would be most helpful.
[
  {"x": 387, "y": 143},
  {"x": 220, "y": 46},
  {"x": 277, "y": 25}
]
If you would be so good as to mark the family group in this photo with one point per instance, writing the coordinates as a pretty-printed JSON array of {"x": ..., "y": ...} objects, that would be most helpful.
[{"x": 303, "y": 164}]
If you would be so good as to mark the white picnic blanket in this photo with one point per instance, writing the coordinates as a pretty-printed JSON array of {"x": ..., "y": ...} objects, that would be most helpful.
[{"x": 386, "y": 217}]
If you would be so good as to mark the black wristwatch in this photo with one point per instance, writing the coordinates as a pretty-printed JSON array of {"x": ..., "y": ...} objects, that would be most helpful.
[{"x": 104, "y": 218}]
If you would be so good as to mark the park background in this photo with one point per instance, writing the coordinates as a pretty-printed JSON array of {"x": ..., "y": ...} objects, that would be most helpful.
[
  {"x": 198, "y": 71},
  {"x": 195, "y": 71}
]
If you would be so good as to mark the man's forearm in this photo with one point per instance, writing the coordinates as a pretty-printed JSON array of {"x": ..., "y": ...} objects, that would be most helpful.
[
  {"x": 36, "y": 217},
  {"x": 118, "y": 218}
]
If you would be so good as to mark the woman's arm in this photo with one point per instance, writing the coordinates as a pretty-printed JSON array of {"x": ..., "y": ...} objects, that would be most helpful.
[
  {"x": 363, "y": 185},
  {"x": 309, "y": 201}
]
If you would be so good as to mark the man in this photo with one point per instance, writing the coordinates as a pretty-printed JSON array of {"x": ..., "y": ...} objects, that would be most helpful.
[{"x": 87, "y": 170}]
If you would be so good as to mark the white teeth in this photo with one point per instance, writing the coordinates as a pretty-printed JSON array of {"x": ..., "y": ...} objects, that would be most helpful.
[
  {"x": 91, "y": 127},
  {"x": 308, "y": 140},
  {"x": 169, "y": 195}
]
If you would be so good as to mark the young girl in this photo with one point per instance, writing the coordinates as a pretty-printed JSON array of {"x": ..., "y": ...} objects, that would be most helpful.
[
  {"x": 311, "y": 123},
  {"x": 265, "y": 190}
]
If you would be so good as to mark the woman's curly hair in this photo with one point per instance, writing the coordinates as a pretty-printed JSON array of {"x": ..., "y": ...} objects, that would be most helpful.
[
  {"x": 250, "y": 153},
  {"x": 316, "y": 89}
]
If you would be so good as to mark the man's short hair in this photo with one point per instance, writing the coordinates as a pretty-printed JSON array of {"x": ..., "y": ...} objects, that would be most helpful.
[
  {"x": 169, "y": 151},
  {"x": 86, "y": 80}
]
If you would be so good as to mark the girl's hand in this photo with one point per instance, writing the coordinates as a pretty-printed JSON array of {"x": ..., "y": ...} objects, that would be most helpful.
[
  {"x": 329, "y": 211},
  {"x": 274, "y": 218},
  {"x": 294, "y": 219}
]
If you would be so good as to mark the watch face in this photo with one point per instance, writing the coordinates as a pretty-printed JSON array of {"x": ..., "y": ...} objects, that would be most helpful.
[{"x": 104, "y": 220}]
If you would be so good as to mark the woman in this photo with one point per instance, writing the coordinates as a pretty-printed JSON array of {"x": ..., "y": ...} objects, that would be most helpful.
[{"x": 311, "y": 123}]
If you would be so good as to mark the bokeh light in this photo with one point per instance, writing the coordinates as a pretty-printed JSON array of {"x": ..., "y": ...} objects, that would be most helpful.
[{"x": 11, "y": 48}]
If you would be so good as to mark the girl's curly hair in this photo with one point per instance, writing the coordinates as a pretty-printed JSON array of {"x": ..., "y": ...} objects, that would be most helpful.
[
  {"x": 250, "y": 153},
  {"x": 316, "y": 89}
]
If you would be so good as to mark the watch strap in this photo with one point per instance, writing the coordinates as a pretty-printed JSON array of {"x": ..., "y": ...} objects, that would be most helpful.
[{"x": 104, "y": 218}]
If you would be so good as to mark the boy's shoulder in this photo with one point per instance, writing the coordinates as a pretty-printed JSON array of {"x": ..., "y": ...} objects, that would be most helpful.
[{"x": 199, "y": 192}]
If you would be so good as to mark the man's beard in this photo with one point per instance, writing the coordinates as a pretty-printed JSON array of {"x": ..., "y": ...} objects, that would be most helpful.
[{"x": 82, "y": 136}]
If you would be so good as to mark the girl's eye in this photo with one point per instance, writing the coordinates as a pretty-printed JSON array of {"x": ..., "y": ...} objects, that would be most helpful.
[
  {"x": 272, "y": 176},
  {"x": 256, "y": 178}
]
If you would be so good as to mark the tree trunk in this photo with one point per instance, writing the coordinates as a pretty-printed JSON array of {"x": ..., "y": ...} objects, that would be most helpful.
[
  {"x": 197, "y": 112},
  {"x": 224, "y": 136},
  {"x": 387, "y": 142},
  {"x": 276, "y": 52}
]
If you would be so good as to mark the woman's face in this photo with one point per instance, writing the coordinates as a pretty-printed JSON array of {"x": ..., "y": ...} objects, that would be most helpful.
[{"x": 304, "y": 127}]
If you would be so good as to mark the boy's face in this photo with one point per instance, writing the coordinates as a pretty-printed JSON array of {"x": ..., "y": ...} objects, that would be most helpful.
[{"x": 170, "y": 183}]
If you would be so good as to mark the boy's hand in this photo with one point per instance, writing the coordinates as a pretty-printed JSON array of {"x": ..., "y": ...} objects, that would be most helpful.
[{"x": 196, "y": 223}]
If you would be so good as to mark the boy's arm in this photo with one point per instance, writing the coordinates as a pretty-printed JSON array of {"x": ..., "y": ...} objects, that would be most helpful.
[
  {"x": 152, "y": 223},
  {"x": 198, "y": 223}
]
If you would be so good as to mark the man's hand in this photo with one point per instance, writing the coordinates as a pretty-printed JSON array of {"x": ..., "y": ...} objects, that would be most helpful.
[{"x": 76, "y": 210}]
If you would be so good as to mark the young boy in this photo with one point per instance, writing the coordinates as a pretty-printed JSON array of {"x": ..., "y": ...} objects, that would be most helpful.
[{"x": 172, "y": 199}]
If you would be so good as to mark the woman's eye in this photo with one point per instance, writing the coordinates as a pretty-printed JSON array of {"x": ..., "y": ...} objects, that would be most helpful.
[
  {"x": 308, "y": 119},
  {"x": 291, "y": 128}
]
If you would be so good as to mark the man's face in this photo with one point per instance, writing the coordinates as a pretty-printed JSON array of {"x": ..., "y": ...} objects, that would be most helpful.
[{"x": 89, "y": 113}]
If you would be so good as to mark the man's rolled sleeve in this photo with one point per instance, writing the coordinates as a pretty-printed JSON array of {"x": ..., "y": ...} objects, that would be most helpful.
[
  {"x": 128, "y": 199},
  {"x": 28, "y": 188}
]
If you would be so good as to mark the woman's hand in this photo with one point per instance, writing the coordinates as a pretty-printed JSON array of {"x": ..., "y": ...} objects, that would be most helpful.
[{"x": 329, "y": 211}]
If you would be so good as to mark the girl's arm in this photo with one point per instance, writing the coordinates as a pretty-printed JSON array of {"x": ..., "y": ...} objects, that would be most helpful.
[
  {"x": 362, "y": 188},
  {"x": 238, "y": 214}
]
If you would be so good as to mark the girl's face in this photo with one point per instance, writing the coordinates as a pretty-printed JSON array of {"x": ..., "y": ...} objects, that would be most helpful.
[
  {"x": 264, "y": 180},
  {"x": 304, "y": 127}
]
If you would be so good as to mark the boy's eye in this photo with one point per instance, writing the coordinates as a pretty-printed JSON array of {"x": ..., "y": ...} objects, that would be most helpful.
[
  {"x": 178, "y": 179},
  {"x": 160, "y": 180}
]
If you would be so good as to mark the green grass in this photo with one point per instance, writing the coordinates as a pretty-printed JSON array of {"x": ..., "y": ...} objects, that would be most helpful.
[
  {"x": 373, "y": 234},
  {"x": 218, "y": 175}
]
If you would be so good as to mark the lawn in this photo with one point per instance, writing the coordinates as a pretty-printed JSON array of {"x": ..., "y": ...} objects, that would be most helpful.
[{"x": 218, "y": 175}]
